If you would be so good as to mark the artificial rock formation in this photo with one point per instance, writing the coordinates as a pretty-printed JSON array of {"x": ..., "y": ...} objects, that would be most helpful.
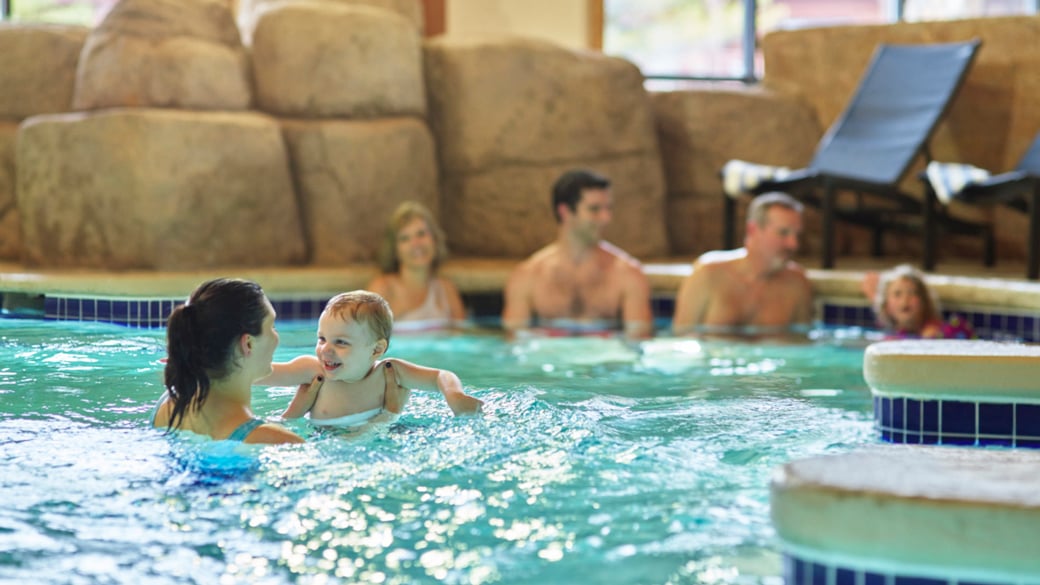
[
  {"x": 351, "y": 175},
  {"x": 164, "y": 53},
  {"x": 315, "y": 59},
  {"x": 37, "y": 74},
  {"x": 778, "y": 130},
  {"x": 10, "y": 222},
  {"x": 250, "y": 11},
  {"x": 38, "y": 68},
  {"x": 156, "y": 189},
  {"x": 511, "y": 115}
]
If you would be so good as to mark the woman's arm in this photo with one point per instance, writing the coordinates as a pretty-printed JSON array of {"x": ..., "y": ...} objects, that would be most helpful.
[{"x": 458, "y": 309}]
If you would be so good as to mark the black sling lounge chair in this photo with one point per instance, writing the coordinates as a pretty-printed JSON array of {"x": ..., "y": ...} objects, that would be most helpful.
[
  {"x": 901, "y": 98},
  {"x": 1019, "y": 189}
]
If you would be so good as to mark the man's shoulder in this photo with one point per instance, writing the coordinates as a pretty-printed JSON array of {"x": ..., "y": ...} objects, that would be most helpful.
[
  {"x": 538, "y": 258},
  {"x": 720, "y": 259},
  {"x": 615, "y": 254},
  {"x": 796, "y": 271}
]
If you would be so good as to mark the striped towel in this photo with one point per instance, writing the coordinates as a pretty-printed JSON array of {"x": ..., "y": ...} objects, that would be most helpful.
[
  {"x": 739, "y": 177},
  {"x": 949, "y": 179}
]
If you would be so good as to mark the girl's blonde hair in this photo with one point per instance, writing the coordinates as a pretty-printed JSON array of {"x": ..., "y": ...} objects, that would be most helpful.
[
  {"x": 929, "y": 301},
  {"x": 402, "y": 216}
]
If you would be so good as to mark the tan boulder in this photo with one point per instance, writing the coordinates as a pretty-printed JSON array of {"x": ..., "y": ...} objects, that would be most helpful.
[
  {"x": 318, "y": 59},
  {"x": 249, "y": 11},
  {"x": 352, "y": 174},
  {"x": 156, "y": 189},
  {"x": 10, "y": 230},
  {"x": 511, "y": 115},
  {"x": 165, "y": 53},
  {"x": 507, "y": 211},
  {"x": 38, "y": 68},
  {"x": 702, "y": 128},
  {"x": 527, "y": 101}
]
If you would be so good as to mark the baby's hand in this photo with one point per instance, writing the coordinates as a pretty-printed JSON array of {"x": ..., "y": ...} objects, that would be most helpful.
[{"x": 869, "y": 284}]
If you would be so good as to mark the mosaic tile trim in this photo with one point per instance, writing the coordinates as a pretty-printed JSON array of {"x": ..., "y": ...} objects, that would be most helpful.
[
  {"x": 1001, "y": 326},
  {"x": 153, "y": 312},
  {"x": 803, "y": 572},
  {"x": 956, "y": 422}
]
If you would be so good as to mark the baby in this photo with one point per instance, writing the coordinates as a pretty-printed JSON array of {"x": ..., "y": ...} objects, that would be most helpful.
[
  {"x": 907, "y": 308},
  {"x": 348, "y": 382}
]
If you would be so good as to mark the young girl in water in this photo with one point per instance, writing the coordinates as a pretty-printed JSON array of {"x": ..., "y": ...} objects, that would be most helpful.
[{"x": 907, "y": 309}]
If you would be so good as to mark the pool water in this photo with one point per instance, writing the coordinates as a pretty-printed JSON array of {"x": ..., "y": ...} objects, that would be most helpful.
[{"x": 595, "y": 462}]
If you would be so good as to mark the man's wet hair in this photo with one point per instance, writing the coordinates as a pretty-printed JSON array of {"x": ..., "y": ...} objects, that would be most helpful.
[{"x": 569, "y": 186}]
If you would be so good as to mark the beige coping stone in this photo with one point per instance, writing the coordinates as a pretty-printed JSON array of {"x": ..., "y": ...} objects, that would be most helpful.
[
  {"x": 928, "y": 511},
  {"x": 987, "y": 371},
  {"x": 471, "y": 275}
]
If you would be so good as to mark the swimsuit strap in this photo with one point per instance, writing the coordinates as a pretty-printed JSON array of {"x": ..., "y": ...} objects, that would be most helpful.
[
  {"x": 389, "y": 367},
  {"x": 244, "y": 429},
  {"x": 155, "y": 409}
]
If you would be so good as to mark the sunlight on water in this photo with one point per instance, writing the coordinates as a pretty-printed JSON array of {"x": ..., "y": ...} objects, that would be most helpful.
[{"x": 595, "y": 461}]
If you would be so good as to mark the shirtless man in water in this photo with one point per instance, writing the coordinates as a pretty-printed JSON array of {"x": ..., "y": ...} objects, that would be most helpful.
[
  {"x": 579, "y": 283},
  {"x": 757, "y": 288}
]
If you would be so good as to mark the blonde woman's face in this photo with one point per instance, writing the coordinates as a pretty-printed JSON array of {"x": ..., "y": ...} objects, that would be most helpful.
[
  {"x": 903, "y": 304},
  {"x": 415, "y": 244}
]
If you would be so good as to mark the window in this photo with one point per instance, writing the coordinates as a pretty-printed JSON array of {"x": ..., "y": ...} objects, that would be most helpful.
[
  {"x": 673, "y": 41},
  {"x": 85, "y": 12}
]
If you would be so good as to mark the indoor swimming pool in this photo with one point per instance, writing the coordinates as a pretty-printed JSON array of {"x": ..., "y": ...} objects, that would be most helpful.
[{"x": 595, "y": 462}]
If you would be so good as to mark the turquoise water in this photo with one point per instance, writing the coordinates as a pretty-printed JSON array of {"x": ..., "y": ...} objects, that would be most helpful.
[{"x": 595, "y": 462}]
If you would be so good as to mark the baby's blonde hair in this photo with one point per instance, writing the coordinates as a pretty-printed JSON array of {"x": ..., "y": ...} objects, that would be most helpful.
[
  {"x": 365, "y": 307},
  {"x": 929, "y": 301}
]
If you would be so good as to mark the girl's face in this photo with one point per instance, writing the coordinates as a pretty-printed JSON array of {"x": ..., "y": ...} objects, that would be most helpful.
[
  {"x": 415, "y": 244},
  {"x": 903, "y": 304},
  {"x": 346, "y": 349}
]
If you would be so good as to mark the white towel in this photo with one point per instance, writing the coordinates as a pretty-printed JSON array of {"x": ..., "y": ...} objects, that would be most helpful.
[
  {"x": 949, "y": 179},
  {"x": 739, "y": 177}
]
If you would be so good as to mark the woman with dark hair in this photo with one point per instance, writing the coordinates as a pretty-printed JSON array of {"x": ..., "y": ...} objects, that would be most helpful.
[
  {"x": 413, "y": 249},
  {"x": 218, "y": 344}
]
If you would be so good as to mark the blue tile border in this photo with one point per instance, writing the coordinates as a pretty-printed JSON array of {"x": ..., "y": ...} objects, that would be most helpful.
[
  {"x": 151, "y": 312},
  {"x": 957, "y": 422},
  {"x": 798, "y": 571}
]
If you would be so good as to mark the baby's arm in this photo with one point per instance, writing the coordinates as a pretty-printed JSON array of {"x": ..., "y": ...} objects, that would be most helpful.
[
  {"x": 303, "y": 371},
  {"x": 447, "y": 383},
  {"x": 299, "y": 370}
]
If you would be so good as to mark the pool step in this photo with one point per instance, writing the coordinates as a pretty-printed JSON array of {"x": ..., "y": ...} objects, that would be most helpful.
[
  {"x": 891, "y": 514},
  {"x": 955, "y": 392}
]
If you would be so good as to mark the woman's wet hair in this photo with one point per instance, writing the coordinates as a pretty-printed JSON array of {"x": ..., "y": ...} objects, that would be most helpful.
[
  {"x": 201, "y": 336},
  {"x": 404, "y": 214}
]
